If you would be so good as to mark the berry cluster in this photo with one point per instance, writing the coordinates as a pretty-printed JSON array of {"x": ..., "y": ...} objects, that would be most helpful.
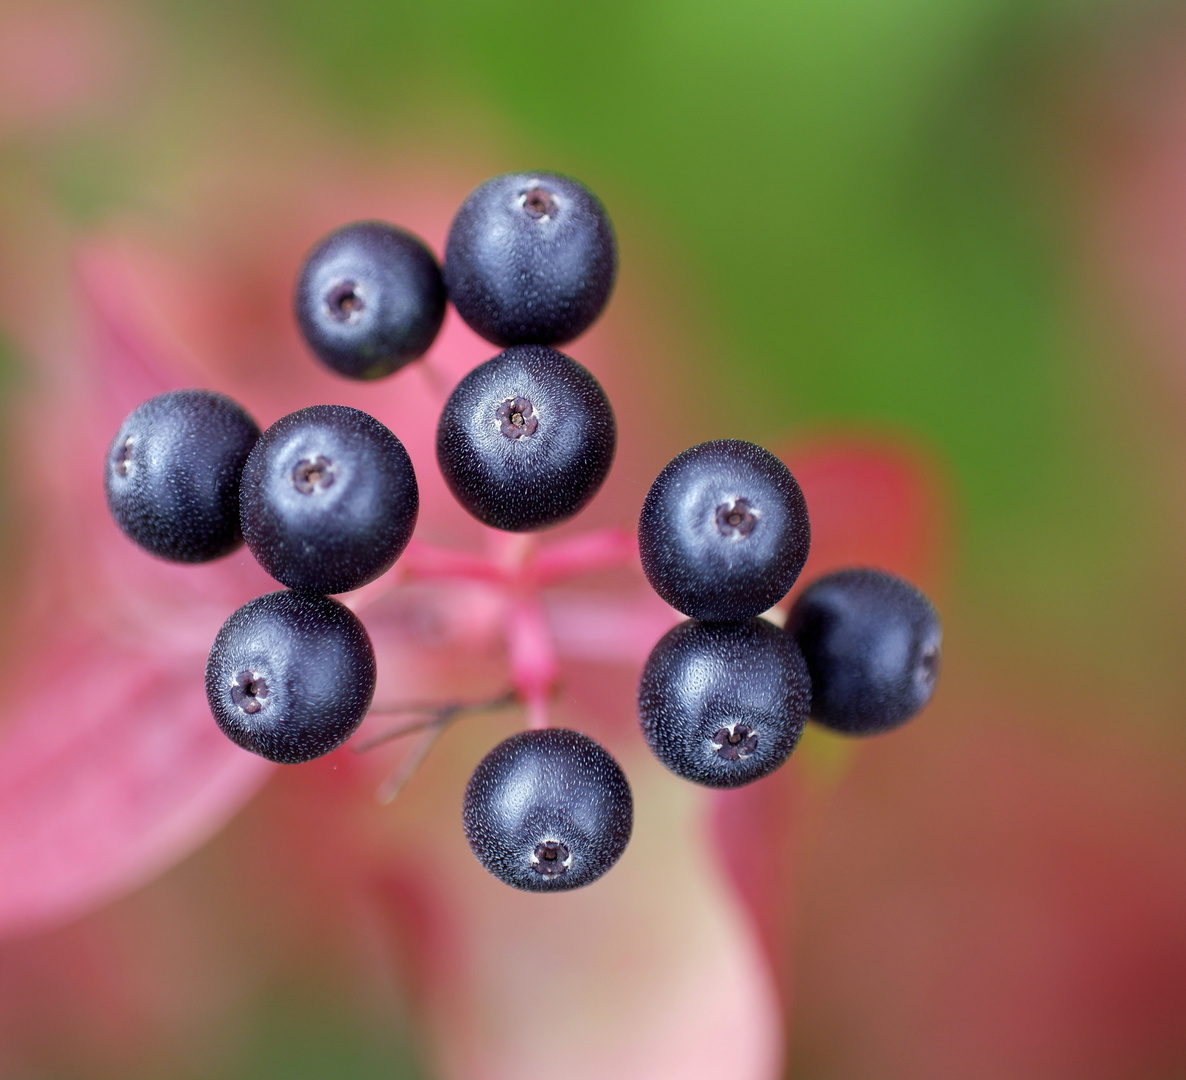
[
  {"x": 326, "y": 500},
  {"x": 723, "y": 535}
]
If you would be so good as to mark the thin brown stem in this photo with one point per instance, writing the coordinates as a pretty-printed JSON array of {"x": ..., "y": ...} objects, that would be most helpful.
[{"x": 437, "y": 715}]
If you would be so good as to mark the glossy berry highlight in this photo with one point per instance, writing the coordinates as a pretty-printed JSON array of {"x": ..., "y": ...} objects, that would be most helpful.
[
  {"x": 723, "y": 704},
  {"x": 526, "y": 439},
  {"x": 530, "y": 259},
  {"x": 724, "y": 531},
  {"x": 547, "y": 810},
  {"x": 172, "y": 474},
  {"x": 872, "y": 643},
  {"x": 328, "y": 499},
  {"x": 290, "y": 676},
  {"x": 369, "y": 299}
]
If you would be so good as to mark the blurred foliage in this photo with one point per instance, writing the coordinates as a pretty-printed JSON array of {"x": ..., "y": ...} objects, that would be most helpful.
[{"x": 863, "y": 206}]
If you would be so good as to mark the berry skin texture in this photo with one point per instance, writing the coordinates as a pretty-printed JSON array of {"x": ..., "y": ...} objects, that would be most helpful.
[
  {"x": 530, "y": 259},
  {"x": 290, "y": 676},
  {"x": 526, "y": 439},
  {"x": 724, "y": 531},
  {"x": 369, "y": 299},
  {"x": 723, "y": 704},
  {"x": 872, "y": 643},
  {"x": 172, "y": 474},
  {"x": 328, "y": 500},
  {"x": 548, "y": 809}
]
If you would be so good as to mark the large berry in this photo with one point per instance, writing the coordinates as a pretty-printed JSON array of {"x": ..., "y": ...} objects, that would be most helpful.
[
  {"x": 724, "y": 532},
  {"x": 530, "y": 259},
  {"x": 290, "y": 676},
  {"x": 172, "y": 474},
  {"x": 329, "y": 499},
  {"x": 548, "y": 810},
  {"x": 526, "y": 439},
  {"x": 724, "y": 703},
  {"x": 369, "y": 299},
  {"x": 871, "y": 641}
]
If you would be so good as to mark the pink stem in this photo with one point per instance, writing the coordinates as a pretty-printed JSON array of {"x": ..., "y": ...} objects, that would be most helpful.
[
  {"x": 605, "y": 549},
  {"x": 425, "y": 562},
  {"x": 534, "y": 666}
]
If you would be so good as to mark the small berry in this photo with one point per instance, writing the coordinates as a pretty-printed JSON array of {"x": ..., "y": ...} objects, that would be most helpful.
[
  {"x": 172, "y": 474},
  {"x": 530, "y": 259},
  {"x": 329, "y": 499},
  {"x": 369, "y": 299},
  {"x": 526, "y": 439},
  {"x": 548, "y": 809},
  {"x": 723, "y": 704},
  {"x": 724, "y": 531},
  {"x": 290, "y": 676},
  {"x": 872, "y": 642}
]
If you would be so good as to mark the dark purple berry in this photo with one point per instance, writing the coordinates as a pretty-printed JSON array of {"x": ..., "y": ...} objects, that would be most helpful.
[
  {"x": 329, "y": 499},
  {"x": 290, "y": 676},
  {"x": 526, "y": 439},
  {"x": 172, "y": 474},
  {"x": 369, "y": 299},
  {"x": 530, "y": 259},
  {"x": 871, "y": 641},
  {"x": 723, "y": 532},
  {"x": 547, "y": 810},
  {"x": 723, "y": 704}
]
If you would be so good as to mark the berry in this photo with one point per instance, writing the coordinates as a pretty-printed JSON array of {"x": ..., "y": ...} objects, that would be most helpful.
[
  {"x": 329, "y": 499},
  {"x": 530, "y": 259},
  {"x": 548, "y": 809},
  {"x": 724, "y": 531},
  {"x": 723, "y": 704},
  {"x": 172, "y": 474},
  {"x": 526, "y": 439},
  {"x": 290, "y": 676},
  {"x": 871, "y": 641},
  {"x": 369, "y": 299}
]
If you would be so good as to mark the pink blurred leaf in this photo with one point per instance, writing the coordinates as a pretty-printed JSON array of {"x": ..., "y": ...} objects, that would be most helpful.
[
  {"x": 872, "y": 503},
  {"x": 113, "y": 768}
]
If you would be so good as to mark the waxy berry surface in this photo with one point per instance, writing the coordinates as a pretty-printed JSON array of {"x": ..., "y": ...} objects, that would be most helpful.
[
  {"x": 172, "y": 474},
  {"x": 548, "y": 810},
  {"x": 290, "y": 676},
  {"x": 724, "y": 531},
  {"x": 329, "y": 499},
  {"x": 526, "y": 439},
  {"x": 369, "y": 299},
  {"x": 872, "y": 644},
  {"x": 723, "y": 704},
  {"x": 530, "y": 259}
]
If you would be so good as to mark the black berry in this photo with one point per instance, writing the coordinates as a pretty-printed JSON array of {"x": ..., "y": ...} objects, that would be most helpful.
[
  {"x": 526, "y": 439},
  {"x": 723, "y": 532},
  {"x": 172, "y": 474},
  {"x": 328, "y": 500},
  {"x": 290, "y": 676},
  {"x": 547, "y": 810},
  {"x": 871, "y": 641},
  {"x": 530, "y": 259},
  {"x": 369, "y": 299},
  {"x": 723, "y": 704}
]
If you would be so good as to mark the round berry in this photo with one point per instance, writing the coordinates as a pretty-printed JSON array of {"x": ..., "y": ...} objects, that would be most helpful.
[
  {"x": 290, "y": 676},
  {"x": 328, "y": 500},
  {"x": 723, "y": 532},
  {"x": 547, "y": 810},
  {"x": 526, "y": 439},
  {"x": 530, "y": 259},
  {"x": 872, "y": 644},
  {"x": 723, "y": 704},
  {"x": 369, "y": 299},
  {"x": 172, "y": 474}
]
